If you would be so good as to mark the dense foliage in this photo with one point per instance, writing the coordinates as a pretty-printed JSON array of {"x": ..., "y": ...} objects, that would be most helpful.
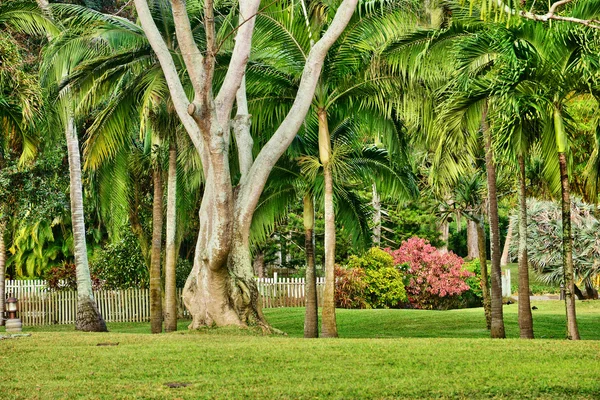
[{"x": 434, "y": 277}]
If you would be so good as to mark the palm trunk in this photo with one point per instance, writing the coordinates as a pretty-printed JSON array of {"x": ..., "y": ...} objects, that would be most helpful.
[
  {"x": 329, "y": 325},
  {"x": 88, "y": 316},
  {"x": 376, "y": 217},
  {"x": 525, "y": 318},
  {"x": 567, "y": 255},
  {"x": 444, "y": 230},
  {"x": 472, "y": 241},
  {"x": 2, "y": 272},
  {"x": 505, "y": 259},
  {"x": 156, "y": 314},
  {"x": 259, "y": 263},
  {"x": 497, "y": 330},
  {"x": 311, "y": 319},
  {"x": 483, "y": 278},
  {"x": 171, "y": 253},
  {"x": 572, "y": 329}
]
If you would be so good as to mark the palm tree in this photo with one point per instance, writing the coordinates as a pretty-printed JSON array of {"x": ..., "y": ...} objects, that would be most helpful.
[
  {"x": 300, "y": 175},
  {"x": 88, "y": 316},
  {"x": 122, "y": 55},
  {"x": 352, "y": 82}
]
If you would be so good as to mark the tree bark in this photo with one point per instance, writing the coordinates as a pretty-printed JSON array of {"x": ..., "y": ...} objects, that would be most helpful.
[
  {"x": 88, "y": 317},
  {"x": 311, "y": 318},
  {"x": 569, "y": 276},
  {"x": 483, "y": 278},
  {"x": 259, "y": 263},
  {"x": 505, "y": 254},
  {"x": 171, "y": 253},
  {"x": 472, "y": 241},
  {"x": 497, "y": 330},
  {"x": 221, "y": 288},
  {"x": 328, "y": 325},
  {"x": 376, "y": 218},
  {"x": 2, "y": 272},
  {"x": 156, "y": 314},
  {"x": 525, "y": 317}
]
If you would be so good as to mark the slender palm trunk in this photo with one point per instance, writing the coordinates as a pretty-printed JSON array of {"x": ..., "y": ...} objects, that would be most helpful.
[
  {"x": 497, "y": 330},
  {"x": 483, "y": 278},
  {"x": 259, "y": 263},
  {"x": 525, "y": 318},
  {"x": 505, "y": 259},
  {"x": 156, "y": 314},
  {"x": 2, "y": 272},
  {"x": 171, "y": 248},
  {"x": 472, "y": 241},
  {"x": 311, "y": 319},
  {"x": 567, "y": 255},
  {"x": 88, "y": 316},
  {"x": 572, "y": 329},
  {"x": 329, "y": 325},
  {"x": 376, "y": 217}
]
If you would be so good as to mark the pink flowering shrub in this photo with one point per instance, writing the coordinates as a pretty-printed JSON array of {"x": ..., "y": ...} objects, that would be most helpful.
[{"x": 434, "y": 279}]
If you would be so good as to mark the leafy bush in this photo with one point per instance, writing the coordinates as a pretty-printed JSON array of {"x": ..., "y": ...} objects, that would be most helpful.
[
  {"x": 121, "y": 265},
  {"x": 350, "y": 288},
  {"x": 433, "y": 278},
  {"x": 64, "y": 277},
  {"x": 182, "y": 271},
  {"x": 370, "y": 281},
  {"x": 474, "y": 296},
  {"x": 384, "y": 288}
]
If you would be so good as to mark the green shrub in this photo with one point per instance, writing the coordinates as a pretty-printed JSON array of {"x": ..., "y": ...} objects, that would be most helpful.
[
  {"x": 121, "y": 265},
  {"x": 384, "y": 288},
  {"x": 350, "y": 288},
  {"x": 370, "y": 281}
]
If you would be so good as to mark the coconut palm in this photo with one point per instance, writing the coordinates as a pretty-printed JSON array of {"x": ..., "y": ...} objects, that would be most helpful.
[{"x": 123, "y": 78}]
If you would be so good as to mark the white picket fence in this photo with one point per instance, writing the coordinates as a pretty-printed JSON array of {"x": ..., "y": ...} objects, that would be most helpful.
[{"x": 40, "y": 306}]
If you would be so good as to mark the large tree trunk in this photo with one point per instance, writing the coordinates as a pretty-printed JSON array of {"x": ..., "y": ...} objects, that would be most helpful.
[
  {"x": 505, "y": 252},
  {"x": 483, "y": 278},
  {"x": 221, "y": 288},
  {"x": 376, "y": 217},
  {"x": 525, "y": 318},
  {"x": 472, "y": 241},
  {"x": 328, "y": 324},
  {"x": 156, "y": 315},
  {"x": 88, "y": 317},
  {"x": 572, "y": 329},
  {"x": 311, "y": 318},
  {"x": 171, "y": 248},
  {"x": 497, "y": 330},
  {"x": 2, "y": 272}
]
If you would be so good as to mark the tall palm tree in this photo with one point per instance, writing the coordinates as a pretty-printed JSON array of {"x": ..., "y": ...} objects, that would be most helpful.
[
  {"x": 352, "y": 81},
  {"x": 123, "y": 78},
  {"x": 88, "y": 316},
  {"x": 300, "y": 175}
]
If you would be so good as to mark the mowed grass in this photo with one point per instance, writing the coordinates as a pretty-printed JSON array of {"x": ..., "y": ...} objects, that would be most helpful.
[{"x": 382, "y": 354}]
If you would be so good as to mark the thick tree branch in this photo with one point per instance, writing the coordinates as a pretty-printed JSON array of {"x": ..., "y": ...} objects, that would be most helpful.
[
  {"x": 241, "y": 129},
  {"x": 239, "y": 59},
  {"x": 259, "y": 172},
  {"x": 180, "y": 100},
  {"x": 189, "y": 50},
  {"x": 550, "y": 15}
]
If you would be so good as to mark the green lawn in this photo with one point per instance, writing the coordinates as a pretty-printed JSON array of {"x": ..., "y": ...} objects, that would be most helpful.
[{"x": 383, "y": 354}]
